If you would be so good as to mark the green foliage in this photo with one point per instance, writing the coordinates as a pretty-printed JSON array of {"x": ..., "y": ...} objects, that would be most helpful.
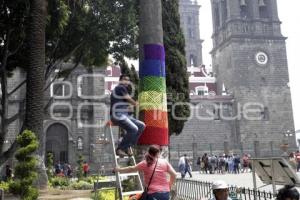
[
  {"x": 49, "y": 165},
  {"x": 93, "y": 179},
  {"x": 90, "y": 30},
  {"x": 25, "y": 173},
  {"x": 85, "y": 31},
  {"x": 79, "y": 167},
  {"x": 81, "y": 185},
  {"x": 106, "y": 194},
  {"x": 4, "y": 186},
  {"x": 176, "y": 70},
  {"x": 60, "y": 182},
  {"x": 129, "y": 184}
]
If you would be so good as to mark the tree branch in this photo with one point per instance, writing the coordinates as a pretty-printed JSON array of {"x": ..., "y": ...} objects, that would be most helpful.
[
  {"x": 74, "y": 67},
  {"x": 51, "y": 68},
  {"x": 56, "y": 76},
  {"x": 16, "y": 50},
  {"x": 9, "y": 153},
  {"x": 14, "y": 118},
  {"x": 16, "y": 88}
]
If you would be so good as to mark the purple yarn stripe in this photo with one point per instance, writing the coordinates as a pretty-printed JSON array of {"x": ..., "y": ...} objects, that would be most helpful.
[{"x": 154, "y": 52}]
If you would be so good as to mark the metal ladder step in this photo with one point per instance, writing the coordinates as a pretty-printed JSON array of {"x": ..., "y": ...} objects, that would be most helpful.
[
  {"x": 128, "y": 161},
  {"x": 129, "y": 174}
]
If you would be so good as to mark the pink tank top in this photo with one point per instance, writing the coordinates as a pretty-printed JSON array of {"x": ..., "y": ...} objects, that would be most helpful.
[{"x": 159, "y": 182}]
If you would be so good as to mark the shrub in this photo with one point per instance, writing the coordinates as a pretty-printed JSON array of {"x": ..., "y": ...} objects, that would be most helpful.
[
  {"x": 49, "y": 165},
  {"x": 79, "y": 167},
  {"x": 106, "y": 194},
  {"x": 81, "y": 185},
  {"x": 59, "y": 182},
  {"x": 25, "y": 173},
  {"x": 93, "y": 179},
  {"x": 4, "y": 186}
]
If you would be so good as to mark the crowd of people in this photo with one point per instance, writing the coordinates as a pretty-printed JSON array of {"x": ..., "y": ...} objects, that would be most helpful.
[
  {"x": 65, "y": 170},
  {"x": 294, "y": 160},
  {"x": 210, "y": 164},
  {"x": 224, "y": 164}
]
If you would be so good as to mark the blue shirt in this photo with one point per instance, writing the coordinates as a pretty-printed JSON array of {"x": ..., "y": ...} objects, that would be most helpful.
[{"x": 118, "y": 104}]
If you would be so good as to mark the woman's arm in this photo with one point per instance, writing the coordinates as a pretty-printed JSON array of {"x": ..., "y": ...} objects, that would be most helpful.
[
  {"x": 126, "y": 169},
  {"x": 173, "y": 175}
]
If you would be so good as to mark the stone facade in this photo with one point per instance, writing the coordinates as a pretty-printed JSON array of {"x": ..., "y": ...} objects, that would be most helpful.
[
  {"x": 249, "y": 66},
  {"x": 15, "y": 106},
  {"x": 250, "y": 63},
  {"x": 249, "y": 57},
  {"x": 189, "y": 20},
  {"x": 75, "y": 123}
]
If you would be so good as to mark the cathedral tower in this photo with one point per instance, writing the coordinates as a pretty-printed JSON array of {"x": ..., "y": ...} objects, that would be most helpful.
[
  {"x": 189, "y": 21},
  {"x": 249, "y": 58}
]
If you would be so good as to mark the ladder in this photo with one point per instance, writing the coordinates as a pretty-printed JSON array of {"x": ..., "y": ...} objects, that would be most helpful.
[{"x": 120, "y": 177}]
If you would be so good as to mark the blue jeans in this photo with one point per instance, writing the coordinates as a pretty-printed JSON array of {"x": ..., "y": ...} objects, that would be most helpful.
[
  {"x": 159, "y": 196},
  {"x": 133, "y": 128}
]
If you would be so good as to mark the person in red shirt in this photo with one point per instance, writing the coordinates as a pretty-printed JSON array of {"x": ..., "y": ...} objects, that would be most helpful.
[
  {"x": 297, "y": 155},
  {"x": 86, "y": 169},
  {"x": 160, "y": 186}
]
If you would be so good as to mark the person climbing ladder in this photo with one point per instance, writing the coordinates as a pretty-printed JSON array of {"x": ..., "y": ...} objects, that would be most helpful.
[{"x": 119, "y": 111}]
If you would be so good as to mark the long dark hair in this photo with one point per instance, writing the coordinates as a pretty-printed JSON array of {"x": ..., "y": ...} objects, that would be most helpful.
[
  {"x": 288, "y": 192},
  {"x": 150, "y": 157}
]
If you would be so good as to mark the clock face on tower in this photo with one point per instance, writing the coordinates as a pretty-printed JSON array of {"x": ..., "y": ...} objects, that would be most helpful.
[{"x": 261, "y": 58}]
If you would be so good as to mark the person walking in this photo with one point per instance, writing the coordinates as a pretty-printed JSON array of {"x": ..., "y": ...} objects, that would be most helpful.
[
  {"x": 188, "y": 167},
  {"x": 205, "y": 162},
  {"x": 297, "y": 155},
  {"x": 181, "y": 166},
  {"x": 159, "y": 187},
  {"x": 121, "y": 102},
  {"x": 86, "y": 169},
  {"x": 8, "y": 173}
]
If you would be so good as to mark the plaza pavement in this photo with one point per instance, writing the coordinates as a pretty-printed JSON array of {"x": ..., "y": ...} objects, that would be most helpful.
[{"x": 240, "y": 180}]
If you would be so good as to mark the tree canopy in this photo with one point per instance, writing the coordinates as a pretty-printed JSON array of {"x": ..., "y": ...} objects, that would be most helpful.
[{"x": 176, "y": 70}]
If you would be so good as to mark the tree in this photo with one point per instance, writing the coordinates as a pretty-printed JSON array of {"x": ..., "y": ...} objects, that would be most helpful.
[
  {"x": 176, "y": 70},
  {"x": 12, "y": 33},
  {"x": 35, "y": 67},
  {"x": 25, "y": 171},
  {"x": 152, "y": 94},
  {"x": 75, "y": 32}
]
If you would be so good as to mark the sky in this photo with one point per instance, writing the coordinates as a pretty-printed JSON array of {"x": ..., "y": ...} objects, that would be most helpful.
[{"x": 289, "y": 14}]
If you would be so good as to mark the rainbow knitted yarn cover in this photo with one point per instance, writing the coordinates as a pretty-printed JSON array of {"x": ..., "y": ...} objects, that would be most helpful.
[{"x": 153, "y": 97}]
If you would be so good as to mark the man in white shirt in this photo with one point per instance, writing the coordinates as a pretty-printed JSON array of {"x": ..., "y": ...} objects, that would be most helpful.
[{"x": 181, "y": 165}]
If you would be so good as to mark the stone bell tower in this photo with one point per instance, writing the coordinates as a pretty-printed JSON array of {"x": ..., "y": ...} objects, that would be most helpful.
[{"x": 249, "y": 58}]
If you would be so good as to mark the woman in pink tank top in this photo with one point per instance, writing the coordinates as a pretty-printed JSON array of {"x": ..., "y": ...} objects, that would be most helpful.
[{"x": 163, "y": 177}]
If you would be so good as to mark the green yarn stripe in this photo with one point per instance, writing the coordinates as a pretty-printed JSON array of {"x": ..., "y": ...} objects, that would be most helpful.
[{"x": 152, "y": 83}]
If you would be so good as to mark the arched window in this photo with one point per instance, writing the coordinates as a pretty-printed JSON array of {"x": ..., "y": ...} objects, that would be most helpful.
[
  {"x": 217, "y": 16},
  {"x": 224, "y": 10},
  {"x": 80, "y": 143},
  {"x": 264, "y": 9},
  {"x": 193, "y": 60}
]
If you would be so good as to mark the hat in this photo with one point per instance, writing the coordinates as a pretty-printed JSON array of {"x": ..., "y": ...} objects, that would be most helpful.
[{"x": 219, "y": 185}]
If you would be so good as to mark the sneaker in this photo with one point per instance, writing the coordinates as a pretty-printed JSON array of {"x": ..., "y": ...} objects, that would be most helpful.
[
  {"x": 129, "y": 152},
  {"x": 121, "y": 153}
]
